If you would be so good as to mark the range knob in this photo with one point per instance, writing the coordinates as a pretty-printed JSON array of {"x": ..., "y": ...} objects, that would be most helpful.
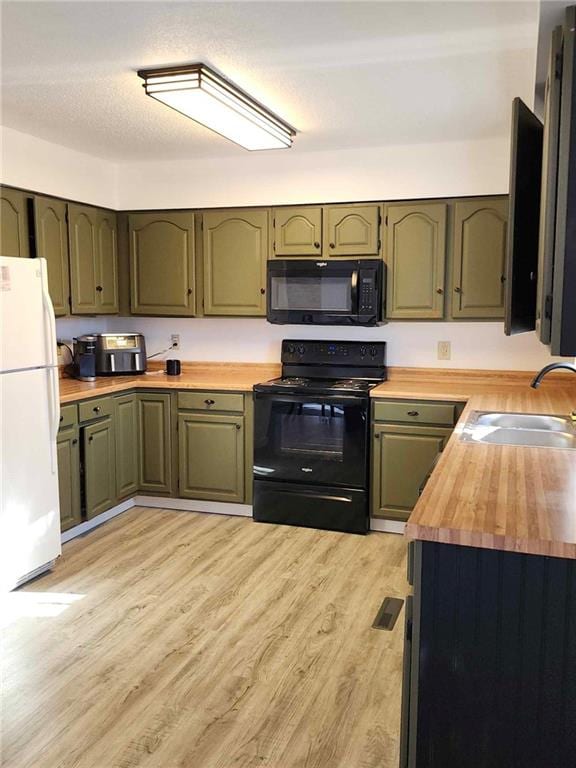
[
  {"x": 373, "y": 351},
  {"x": 290, "y": 349},
  {"x": 301, "y": 349},
  {"x": 363, "y": 351}
]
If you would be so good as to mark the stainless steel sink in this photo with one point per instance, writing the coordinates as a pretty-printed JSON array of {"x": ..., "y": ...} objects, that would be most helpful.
[
  {"x": 525, "y": 421},
  {"x": 529, "y": 429}
]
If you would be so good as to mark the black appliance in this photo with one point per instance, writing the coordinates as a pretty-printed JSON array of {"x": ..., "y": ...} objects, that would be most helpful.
[
  {"x": 120, "y": 354},
  {"x": 303, "y": 291},
  {"x": 84, "y": 360},
  {"x": 311, "y": 435},
  {"x": 524, "y": 220}
]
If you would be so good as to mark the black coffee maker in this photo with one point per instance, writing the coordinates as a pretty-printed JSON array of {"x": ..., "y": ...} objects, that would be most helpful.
[{"x": 84, "y": 365}]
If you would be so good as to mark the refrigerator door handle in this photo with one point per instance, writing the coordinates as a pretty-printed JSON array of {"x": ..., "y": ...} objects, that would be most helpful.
[{"x": 53, "y": 388}]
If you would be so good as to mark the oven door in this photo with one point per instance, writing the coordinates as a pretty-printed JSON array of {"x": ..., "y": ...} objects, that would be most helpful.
[
  {"x": 312, "y": 292},
  {"x": 321, "y": 439}
]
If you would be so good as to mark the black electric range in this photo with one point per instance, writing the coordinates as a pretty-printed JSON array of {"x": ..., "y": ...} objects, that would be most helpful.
[{"x": 311, "y": 435}]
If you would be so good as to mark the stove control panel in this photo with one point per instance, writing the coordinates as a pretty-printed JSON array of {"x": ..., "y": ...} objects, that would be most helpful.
[{"x": 365, "y": 353}]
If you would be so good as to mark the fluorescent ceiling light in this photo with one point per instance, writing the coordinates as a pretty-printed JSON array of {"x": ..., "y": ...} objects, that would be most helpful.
[{"x": 205, "y": 96}]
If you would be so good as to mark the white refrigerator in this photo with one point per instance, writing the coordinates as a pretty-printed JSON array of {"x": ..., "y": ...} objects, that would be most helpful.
[{"x": 30, "y": 415}]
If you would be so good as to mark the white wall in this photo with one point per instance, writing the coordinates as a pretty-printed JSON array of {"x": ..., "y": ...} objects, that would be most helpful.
[
  {"x": 273, "y": 178},
  {"x": 32, "y": 163},
  {"x": 474, "y": 345}
]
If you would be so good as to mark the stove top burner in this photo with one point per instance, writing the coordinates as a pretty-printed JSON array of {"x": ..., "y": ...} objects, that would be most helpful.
[{"x": 302, "y": 384}]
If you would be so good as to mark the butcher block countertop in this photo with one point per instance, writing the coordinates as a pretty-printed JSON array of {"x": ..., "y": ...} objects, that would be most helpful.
[
  {"x": 232, "y": 377},
  {"x": 513, "y": 498}
]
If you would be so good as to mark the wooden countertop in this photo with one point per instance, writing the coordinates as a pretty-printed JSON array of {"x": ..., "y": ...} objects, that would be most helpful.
[
  {"x": 513, "y": 498},
  {"x": 233, "y": 377}
]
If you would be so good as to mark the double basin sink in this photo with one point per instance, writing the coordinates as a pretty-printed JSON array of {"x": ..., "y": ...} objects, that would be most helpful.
[{"x": 530, "y": 429}]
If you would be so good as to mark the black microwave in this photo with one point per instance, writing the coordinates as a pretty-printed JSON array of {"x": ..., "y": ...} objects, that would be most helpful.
[{"x": 303, "y": 291}]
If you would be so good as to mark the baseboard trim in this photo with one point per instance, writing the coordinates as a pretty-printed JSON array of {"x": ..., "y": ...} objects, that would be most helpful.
[
  {"x": 88, "y": 525},
  {"x": 387, "y": 526},
  {"x": 191, "y": 505}
]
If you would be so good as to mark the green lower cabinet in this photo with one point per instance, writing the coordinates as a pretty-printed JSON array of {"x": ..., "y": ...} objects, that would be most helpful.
[
  {"x": 99, "y": 467},
  {"x": 68, "y": 453},
  {"x": 402, "y": 457},
  {"x": 211, "y": 456},
  {"x": 126, "y": 436},
  {"x": 155, "y": 454}
]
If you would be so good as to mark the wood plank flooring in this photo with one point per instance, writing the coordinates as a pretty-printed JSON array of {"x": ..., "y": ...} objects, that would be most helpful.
[{"x": 188, "y": 640}]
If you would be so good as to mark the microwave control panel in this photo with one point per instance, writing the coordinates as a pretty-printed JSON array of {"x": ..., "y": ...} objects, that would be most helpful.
[{"x": 367, "y": 292}]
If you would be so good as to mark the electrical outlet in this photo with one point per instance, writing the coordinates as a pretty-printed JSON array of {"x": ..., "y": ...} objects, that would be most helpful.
[
  {"x": 175, "y": 338},
  {"x": 444, "y": 350}
]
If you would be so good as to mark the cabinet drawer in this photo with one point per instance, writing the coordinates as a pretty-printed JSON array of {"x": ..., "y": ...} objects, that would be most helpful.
[
  {"x": 95, "y": 409},
  {"x": 68, "y": 415},
  {"x": 414, "y": 412},
  {"x": 211, "y": 401}
]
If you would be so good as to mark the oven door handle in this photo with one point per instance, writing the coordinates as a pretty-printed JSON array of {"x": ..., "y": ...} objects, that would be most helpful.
[{"x": 320, "y": 399}]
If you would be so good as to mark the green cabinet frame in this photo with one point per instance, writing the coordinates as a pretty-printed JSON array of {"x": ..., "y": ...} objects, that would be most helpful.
[
  {"x": 402, "y": 457},
  {"x": 14, "y": 236},
  {"x": 68, "y": 455},
  {"x": 99, "y": 466},
  {"x": 211, "y": 456},
  {"x": 235, "y": 250},
  {"x": 126, "y": 428},
  {"x": 51, "y": 234},
  {"x": 162, "y": 259},
  {"x": 155, "y": 454},
  {"x": 415, "y": 259},
  {"x": 479, "y": 258}
]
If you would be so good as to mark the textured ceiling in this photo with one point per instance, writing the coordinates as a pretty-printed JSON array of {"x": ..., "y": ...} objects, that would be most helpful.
[{"x": 345, "y": 74}]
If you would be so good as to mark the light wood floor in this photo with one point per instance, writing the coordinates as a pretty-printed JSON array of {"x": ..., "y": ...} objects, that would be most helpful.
[{"x": 204, "y": 641}]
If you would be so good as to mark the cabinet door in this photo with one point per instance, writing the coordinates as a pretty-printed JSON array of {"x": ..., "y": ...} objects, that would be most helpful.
[
  {"x": 402, "y": 458},
  {"x": 99, "y": 467},
  {"x": 235, "y": 255},
  {"x": 479, "y": 258},
  {"x": 298, "y": 231},
  {"x": 126, "y": 435},
  {"x": 13, "y": 223},
  {"x": 68, "y": 451},
  {"x": 82, "y": 237},
  {"x": 162, "y": 263},
  {"x": 211, "y": 457},
  {"x": 415, "y": 257},
  {"x": 107, "y": 262},
  {"x": 155, "y": 455},
  {"x": 351, "y": 230},
  {"x": 51, "y": 231}
]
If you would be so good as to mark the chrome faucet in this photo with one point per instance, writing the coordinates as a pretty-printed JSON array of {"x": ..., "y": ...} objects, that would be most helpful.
[{"x": 552, "y": 367}]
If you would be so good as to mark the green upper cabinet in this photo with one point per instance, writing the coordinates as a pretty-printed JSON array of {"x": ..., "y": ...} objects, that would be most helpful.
[
  {"x": 127, "y": 444},
  {"x": 99, "y": 466},
  {"x": 155, "y": 452},
  {"x": 415, "y": 258},
  {"x": 235, "y": 249},
  {"x": 402, "y": 457},
  {"x": 107, "y": 262},
  {"x": 298, "y": 231},
  {"x": 51, "y": 233},
  {"x": 13, "y": 223},
  {"x": 68, "y": 453},
  {"x": 162, "y": 263},
  {"x": 93, "y": 260},
  {"x": 211, "y": 456},
  {"x": 479, "y": 258},
  {"x": 351, "y": 230}
]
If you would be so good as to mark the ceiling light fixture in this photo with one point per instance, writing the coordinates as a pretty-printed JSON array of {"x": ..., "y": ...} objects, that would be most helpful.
[{"x": 205, "y": 96}]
